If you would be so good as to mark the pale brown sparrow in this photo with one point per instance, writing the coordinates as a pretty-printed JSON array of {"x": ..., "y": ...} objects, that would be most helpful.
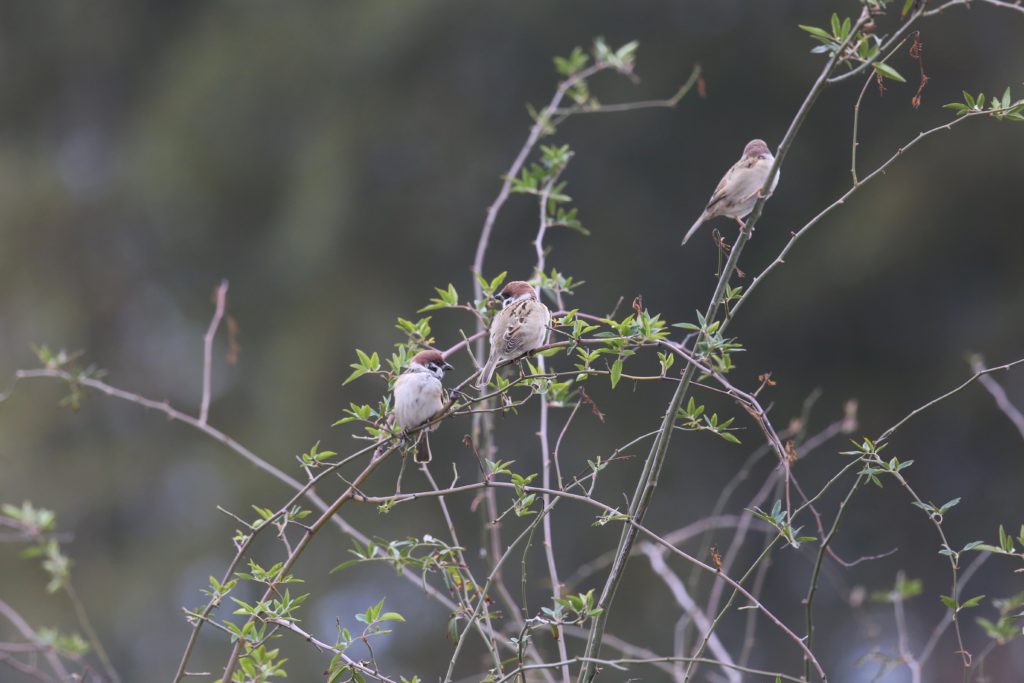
[
  {"x": 740, "y": 187},
  {"x": 419, "y": 396},
  {"x": 519, "y": 327}
]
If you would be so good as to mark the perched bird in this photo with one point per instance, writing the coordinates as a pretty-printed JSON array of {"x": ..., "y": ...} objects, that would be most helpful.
[
  {"x": 738, "y": 190},
  {"x": 519, "y": 327},
  {"x": 419, "y": 396}
]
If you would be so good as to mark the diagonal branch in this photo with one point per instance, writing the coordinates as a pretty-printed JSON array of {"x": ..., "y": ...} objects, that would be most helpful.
[
  {"x": 690, "y": 607},
  {"x": 999, "y": 394},
  {"x": 652, "y": 467}
]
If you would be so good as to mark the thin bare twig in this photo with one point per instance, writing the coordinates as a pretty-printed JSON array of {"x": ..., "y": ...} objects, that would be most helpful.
[
  {"x": 963, "y": 385},
  {"x": 220, "y": 297},
  {"x": 465, "y": 586},
  {"x": 1003, "y": 402},
  {"x": 902, "y": 645},
  {"x": 795, "y": 236},
  {"x": 607, "y": 509},
  {"x": 311, "y": 531},
  {"x": 326, "y": 647},
  {"x": 652, "y": 466},
  {"x": 668, "y": 103},
  {"x": 90, "y": 632},
  {"x": 656, "y": 557},
  {"x": 620, "y": 665},
  {"x": 1014, "y": 5},
  {"x": 52, "y": 658},
  {"x": 856, "y": 112}
]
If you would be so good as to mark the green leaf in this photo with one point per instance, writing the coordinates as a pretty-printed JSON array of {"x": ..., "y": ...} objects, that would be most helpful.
[
  {"x": 973, "y": 602},
  {"x": 616, "y": 372},
  {"x": 567, "y": 66},
  {"x": 948, "y": 602},
  {"x": 818, "y": 33},
  {"x": 1005, "y": 542},
  {"x": 888, "y": 72}
]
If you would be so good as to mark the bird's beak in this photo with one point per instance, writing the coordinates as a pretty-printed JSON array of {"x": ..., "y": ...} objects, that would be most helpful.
[{"x": 447, "y": 366}]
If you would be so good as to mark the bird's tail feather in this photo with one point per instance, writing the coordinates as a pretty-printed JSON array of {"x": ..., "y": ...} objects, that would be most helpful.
[
  {"x": 423, "y": 454},
  {"x": 487, "y": 372},
  {"x": 693, "y": 228}
]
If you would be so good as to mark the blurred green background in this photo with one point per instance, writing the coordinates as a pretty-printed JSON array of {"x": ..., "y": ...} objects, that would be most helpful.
[{"x": 334, "y": 160}]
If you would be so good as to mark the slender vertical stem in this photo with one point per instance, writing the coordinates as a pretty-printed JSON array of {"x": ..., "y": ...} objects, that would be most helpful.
[
  {"x": 652, "y": 466},
  {"x": 813, "y": 587},
  {"x": 489, "y": 634},
  {"x": 90, "y": 632},
  {"x": 220, "y": 296},
  {"x": 286, "y": 567}
]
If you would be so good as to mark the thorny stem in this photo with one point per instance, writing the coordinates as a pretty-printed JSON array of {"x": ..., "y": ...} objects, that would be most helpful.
[
  {"x": 780, "y": 259},
  {"x": 618, "y": 664},
  {"x": 1005, "y": 4},
  {"x": 322, "y": 646},
  {"x": 941, "y": 627},
  {"x": 765, "y": 553},
  {"x": 304, "y": 490},
  {"x": 897, "y": 36},
  {"x": 311, "y": 531},
  {"x": 588, "y": 500},
  {"x": 542, "y": 431},
  {"x": 655, "y": 459},
  {"x": 856, "y": 113},
  {"x": 960, "y": 387},
  {"x": 691, "y": 667},
  {"x": 526, "y": 533},
  {"x": 953, "y": 558},
  {"x": 483, "y": 423},
  {"x": 669, "y": 103},
  {"x": 464, "y": 565},
  {"x": 813, "y": 587}
]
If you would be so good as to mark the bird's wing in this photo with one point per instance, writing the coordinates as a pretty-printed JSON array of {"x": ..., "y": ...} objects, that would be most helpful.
[
  {"x": 526, "y": 320},
  {"x": 513, "y": 338},
  {"x": 720, "y": 192},
  {"x": 740, "y": 173}
]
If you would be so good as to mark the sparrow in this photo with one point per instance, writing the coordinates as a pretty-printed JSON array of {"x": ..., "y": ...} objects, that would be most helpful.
[
  {"x": 419, "y": 396},
  {"x": 519, "y": 327},
  {"x": 740, "y": 187}
]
